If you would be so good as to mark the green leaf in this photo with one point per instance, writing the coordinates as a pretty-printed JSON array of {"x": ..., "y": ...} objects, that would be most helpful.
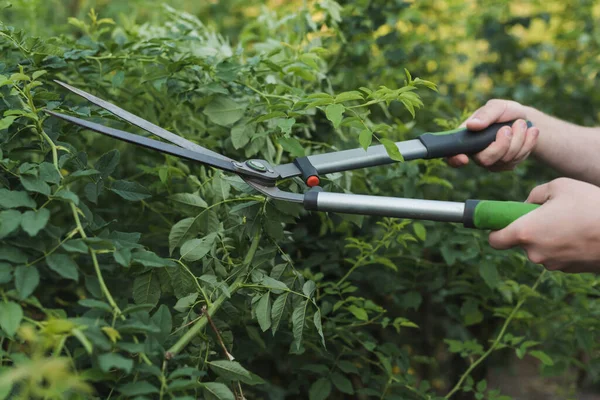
[
  {"x": 359, "y": 313},
  {"x": 35, "y": 184},
  {"x": 342, "y": 383},
  {"x": 298, "y": 323},
  {"x": 6, "y": 122},
  {"x": 10, "y": 220},
  {"x": 365, "y": 138},
  {"x": 107, "y": 163},
  {"x": 347, "y": 96},
  {"x": 11, "y": 316},
  {"x": 320, "y": 389},
  {"x": 309, "y": 288},
  {"x": 489, "y": 273},
  {"x": 195, "y": 249},
  {"x": 49, "y": 173},
  {"x": 26, "y": 280},
  {"x": 185, "y": 302},
  {"x": 108, "y": 361},
  {"x": 543, "y": 357},
  {"x": 63, "y": 265},
  {"x": 292, "y": 146},
  {"x": 230, "y": 370},
  {"x": 224, "y": 111},
  {"x": 146, "y": 289},
  {"x": 162, "y": 318},
  {"x": 6, "y": 272},
  {"x": 263, "y": 312},
  {"x": 189, "y": 199},
  {"x": 420, "y": 231},
  {"x": 335, "y": 113},
  {"x": 218, "y": 390},
  {"x": 392, "y": 149},
  {"x": 15, "y": 198},
  {"x": 150, "y": 259},
  {"x": 12, "y": 254},
  {"x": 180, "y": 232},
  {"x": 34, "y": 221},
  {"x": 138, "y": 388},
  {"x": 319, "y": 327},
  {"x": 75, "y": 246},
  {"x": 286, "y": 124},
  {"x": 241, "y": 133},
  {"x": 277, "y": 311},
  {"x": 131, "y": 191},
  {"x": 273, "y": 284},
  {"x": 67, "y": 195}
]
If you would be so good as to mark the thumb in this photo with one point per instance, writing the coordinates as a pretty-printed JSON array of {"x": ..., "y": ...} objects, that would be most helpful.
[
  {"x": 505, "y": 238},
  {"x": 486, "y": 115},
  {"x": 539, "y": 194}
]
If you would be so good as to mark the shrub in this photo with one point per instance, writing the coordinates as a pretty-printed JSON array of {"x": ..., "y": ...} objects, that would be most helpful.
[{"x": 126, "y": 273}]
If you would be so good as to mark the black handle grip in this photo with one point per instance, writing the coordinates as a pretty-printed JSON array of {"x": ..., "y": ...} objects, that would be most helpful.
[{"x": 461, "y": 140}]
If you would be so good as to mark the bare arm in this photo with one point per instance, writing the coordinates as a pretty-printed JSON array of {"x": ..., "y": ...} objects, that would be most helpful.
[{"x": 571, "y": 149}]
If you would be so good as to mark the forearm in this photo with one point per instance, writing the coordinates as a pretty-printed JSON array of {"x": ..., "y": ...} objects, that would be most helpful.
[{"x": 570, "y": 149}]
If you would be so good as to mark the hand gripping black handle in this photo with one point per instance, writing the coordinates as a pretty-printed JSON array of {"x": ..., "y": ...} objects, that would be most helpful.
[{"x": 461, "y": 140}]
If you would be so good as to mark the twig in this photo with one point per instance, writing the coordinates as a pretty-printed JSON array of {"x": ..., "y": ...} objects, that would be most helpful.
[{"x": 219, "y": 338}]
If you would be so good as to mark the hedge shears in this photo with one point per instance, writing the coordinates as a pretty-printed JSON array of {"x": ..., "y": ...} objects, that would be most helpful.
[{"x": 263, "y": 176}]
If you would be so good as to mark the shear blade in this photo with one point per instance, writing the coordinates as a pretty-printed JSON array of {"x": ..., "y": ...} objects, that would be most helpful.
[
  {"x": 150, "y": 143},
  {"x": 142, "y": 123}
]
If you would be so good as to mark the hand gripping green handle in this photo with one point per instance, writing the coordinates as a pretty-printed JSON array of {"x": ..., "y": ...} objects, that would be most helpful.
[
  {"x": 461, "y": 140},
  {"x": 494, "y": 215}
]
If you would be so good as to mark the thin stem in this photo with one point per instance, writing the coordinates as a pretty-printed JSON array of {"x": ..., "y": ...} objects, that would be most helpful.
[
  {"x": 200, "y": 324},
  {"x": 495, "y": 343}
]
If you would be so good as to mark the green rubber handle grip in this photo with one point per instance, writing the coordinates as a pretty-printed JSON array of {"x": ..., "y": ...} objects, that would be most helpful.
[
  {"x": 494, "y": 215},
  {"x": 461, "y": 140}
]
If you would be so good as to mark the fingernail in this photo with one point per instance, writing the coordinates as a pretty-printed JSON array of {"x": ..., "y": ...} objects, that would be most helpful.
[
  {"x": 523, "y": 124},
  {"x": 535, "y": 133},
  {"x": 475, "y": 120},
  {"x": 508, "y": 132}
]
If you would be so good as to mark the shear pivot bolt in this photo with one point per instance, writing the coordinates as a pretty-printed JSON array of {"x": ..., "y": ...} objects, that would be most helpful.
[{"x": 256, "y": 165}]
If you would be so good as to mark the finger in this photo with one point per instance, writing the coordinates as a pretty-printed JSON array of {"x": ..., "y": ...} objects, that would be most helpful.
[
  {"x": 531, "y": 137},
  {"x": 519, "y": 129},
  {"x": 539, "y": 194},
  {"x": 486, "y": 115},
  {"x": 504, "y": 239},
  {"x": 458, "y": 160},
  {"x": 497, "y": 149},
  {"x": 495, "y": 111}
]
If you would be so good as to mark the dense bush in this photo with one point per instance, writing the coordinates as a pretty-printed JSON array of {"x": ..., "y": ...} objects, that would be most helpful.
[{"x": 126, "y": 273}]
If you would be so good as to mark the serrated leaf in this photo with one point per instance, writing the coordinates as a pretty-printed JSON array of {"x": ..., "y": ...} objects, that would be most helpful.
[
  {"x": 131, "y": 191},
  {"x": 34, "y": 221},
  {"x": 298, "y": 317},
  {"x": 15, "y": 199},
  {"x": 489, "y": 273},
  {"x": 263, "y": 312},
  {"x": 230, "y": 370},
  {"x": 224, "y": 111},
  {"x": 277, "y": 311},
  {"x": 189, "y": 199},
  {"x": 10, "y": 220},
  {"x": 335, "y": 113},
  {"x": 365, "y": 138},
  {"x": 320, "y": 389},
  {"x": 146, "y": 289},
  {"x": 218, "y": 391},
  {"x": 107, "y": 163},
  {"x": 63, "y": 265},
  {"x": 273, "y": 284},
  {"x": 342, "y": 383},
  {"x": 180, "y": 232},
  {"x": 35, "y": 184},
  {"x": 195, "y": 249},
  {"x": 319, "y": 327},
  {"x": 11, "y": 315},
  {"x": 347, "y": 96},
  {"x": 185, "y": 302},
  {"x": 109, "y": 361},
  {"x": 309, "y": 288},
  {"x": 26, "y": 280},
  {"x": 392, "y": 150},
  {"x": 150, "y": 259},
  {"x": 6, "y": 122}
]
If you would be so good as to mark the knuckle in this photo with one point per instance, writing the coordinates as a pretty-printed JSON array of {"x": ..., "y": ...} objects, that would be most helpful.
[{"x": 535, "y": 257}]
